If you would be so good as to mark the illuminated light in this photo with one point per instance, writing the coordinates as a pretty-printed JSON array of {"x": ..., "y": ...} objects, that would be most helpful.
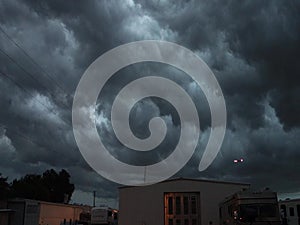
[
  {"x": 242, "y": 160},
  {"x": 235, "y": 161}
]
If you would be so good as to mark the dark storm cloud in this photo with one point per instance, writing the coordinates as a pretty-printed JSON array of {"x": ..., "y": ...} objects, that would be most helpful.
[
  {"x": 265, "y": 34},
  {"x": 252, "y": 47}
]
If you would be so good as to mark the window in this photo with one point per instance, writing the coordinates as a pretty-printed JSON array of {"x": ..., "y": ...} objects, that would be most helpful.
[
  {"x": 298, "y": 210},
  {"x": 186, "y": 221},
  {"x": 268, "y": 210},
  {"x": 292, "y": 212},
  {"x": 248, "y": 212},
  {"x": 194, "y": 222},
  {"x": 170, "y": 204},
  {"x": 181, "y": 208},
  {"x": 193, "y": 205},
  {"x": 185, "y": 205},
  {"x": 178, "y": 205}
]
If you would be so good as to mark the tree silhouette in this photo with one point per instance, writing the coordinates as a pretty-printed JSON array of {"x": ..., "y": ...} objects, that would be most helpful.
[
  {"x": 58, "y": 184},
  {"x": 30, "y": 186},
  {"x": 51, "y": 186},
  {"x": 4, "y": 187}
]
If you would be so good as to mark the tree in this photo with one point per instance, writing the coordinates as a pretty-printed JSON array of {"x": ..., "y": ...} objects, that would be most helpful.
[
  {"x": 59, "y": 185},
  {"x": 51, "y": 186},
  {"x": 4, "y": 187},
  {"x": 65, "y": 186},
  {"x": 30, "y": 186}
]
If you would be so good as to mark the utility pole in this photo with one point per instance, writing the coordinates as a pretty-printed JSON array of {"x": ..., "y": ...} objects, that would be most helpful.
[{"x": 94, "y": 198}]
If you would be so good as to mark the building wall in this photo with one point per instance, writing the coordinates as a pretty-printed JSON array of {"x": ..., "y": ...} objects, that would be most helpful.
[
  {"x": 3, "y": 204},
  {"x": 55, "y": 214},
  {"x": 19, "y": 208},
  {"x": 4, "y": 218},
  {"x": 32, "y": 212},
  {"x": 145, "y": 205},
  {"x": 291, "y": 205}
]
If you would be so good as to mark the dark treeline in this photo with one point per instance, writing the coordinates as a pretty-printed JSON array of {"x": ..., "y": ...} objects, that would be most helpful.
[{"x": 50, "y": 186}]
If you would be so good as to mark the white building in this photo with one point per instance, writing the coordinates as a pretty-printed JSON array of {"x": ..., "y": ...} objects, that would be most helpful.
[
  {"x": 175, "y": 202},
  {"x": 290, "y": 211}
]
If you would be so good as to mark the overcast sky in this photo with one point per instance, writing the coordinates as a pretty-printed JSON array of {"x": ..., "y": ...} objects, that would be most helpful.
[{"x": 253, "y": 48}]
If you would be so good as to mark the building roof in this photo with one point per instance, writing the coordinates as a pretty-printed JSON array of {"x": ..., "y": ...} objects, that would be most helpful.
[
  {"x": 289, "y": 200},
  {"x": 196, "y": 180},
  {"x": 7, "y": 211},
  {"x": 46, "y": 203}
]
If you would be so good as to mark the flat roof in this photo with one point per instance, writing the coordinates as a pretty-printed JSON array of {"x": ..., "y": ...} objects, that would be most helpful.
[
  {"x": 46, "y": 203},
  {"x": 193, "y": 179},
  {"x": 7, "y": 211},
  {"x": 289, "y": 200}
]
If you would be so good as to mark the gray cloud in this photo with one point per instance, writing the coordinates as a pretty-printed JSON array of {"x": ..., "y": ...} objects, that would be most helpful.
[{"x": 252, "y": 47}]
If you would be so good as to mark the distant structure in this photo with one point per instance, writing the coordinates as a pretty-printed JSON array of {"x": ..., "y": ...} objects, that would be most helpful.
[
  {"x": 34, "y": 212},
  {"x": 175, "y": 202},
  {"x": 290, "y": 211},
  {"x": 250, "y": 207},
  {"x": 104, "y": 215}
]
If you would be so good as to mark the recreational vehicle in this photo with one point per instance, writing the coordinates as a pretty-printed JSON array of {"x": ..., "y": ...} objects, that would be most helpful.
[
  {"x": 250, "y": 208},
  {"x": 104, "y": 215}
]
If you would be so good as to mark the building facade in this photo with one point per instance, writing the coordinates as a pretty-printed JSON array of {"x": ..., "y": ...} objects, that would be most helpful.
[
  {"x": 33, "y": 212},
  {"x": 175, "y": 202},
  {"x": 290, "y": 211}
]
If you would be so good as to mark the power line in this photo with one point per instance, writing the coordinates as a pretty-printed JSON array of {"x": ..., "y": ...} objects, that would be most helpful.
[
  {"x": 31, "y": 59},
  {"x": 21, "y": 135},
  {"x": 13, "y": 81},
  {"x": 26, "y": 138},
  {"x": 28, "y": 73},
  {"x": 20, "y": 66},
  {"x": 28, "y": 92}
]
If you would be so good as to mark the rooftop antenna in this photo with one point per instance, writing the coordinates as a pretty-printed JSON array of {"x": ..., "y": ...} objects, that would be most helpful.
[
  {"x": 145, "y": 174},
  {"x": 94, "y": 198}
]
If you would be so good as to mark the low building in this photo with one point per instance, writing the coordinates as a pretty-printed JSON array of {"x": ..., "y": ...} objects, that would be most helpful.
[
  {"x": 5, "y": 216},
  {"x": 290, "y": 211},
  {"x": 33, "y": 212},
  {"x": 175, "y": 202}
]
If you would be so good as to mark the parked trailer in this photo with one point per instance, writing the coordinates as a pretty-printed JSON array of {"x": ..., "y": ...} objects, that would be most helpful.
[
  {"x": 250, "y": 208},
  {"x": 104, "y": 215}
]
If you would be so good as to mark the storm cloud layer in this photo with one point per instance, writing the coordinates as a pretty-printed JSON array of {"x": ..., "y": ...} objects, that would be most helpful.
[{"x": 253, "y": 48}]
